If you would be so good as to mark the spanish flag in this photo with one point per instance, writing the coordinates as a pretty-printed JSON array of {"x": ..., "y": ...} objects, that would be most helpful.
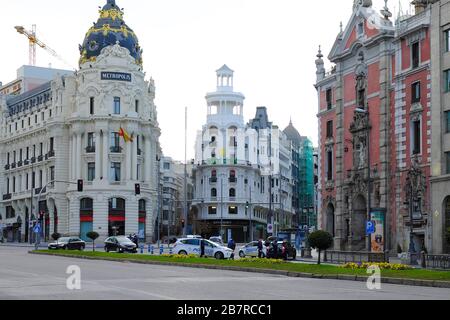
[{"x": 124, "y": 134}]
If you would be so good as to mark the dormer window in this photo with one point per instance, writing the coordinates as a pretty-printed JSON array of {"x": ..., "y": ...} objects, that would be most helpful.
[{"x": 361, "y": 29}]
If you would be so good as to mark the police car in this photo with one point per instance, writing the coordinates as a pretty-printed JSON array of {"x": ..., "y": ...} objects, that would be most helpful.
[
  {"x": 192, "y": 246},
  {"x": 251, "y": 250}
]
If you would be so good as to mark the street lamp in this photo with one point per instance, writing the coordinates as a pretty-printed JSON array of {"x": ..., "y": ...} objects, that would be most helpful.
[{"x": 369, "y": 204}]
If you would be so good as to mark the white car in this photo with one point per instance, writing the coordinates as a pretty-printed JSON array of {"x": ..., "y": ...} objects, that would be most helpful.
[
  {"x": 192, "y": 246},
  {"x": 251, "y": 250}
]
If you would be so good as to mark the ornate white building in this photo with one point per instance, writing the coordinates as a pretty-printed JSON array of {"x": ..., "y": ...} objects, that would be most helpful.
[
  {"x": 233, "y": 168},
  {"x": 69, "y": 129}
]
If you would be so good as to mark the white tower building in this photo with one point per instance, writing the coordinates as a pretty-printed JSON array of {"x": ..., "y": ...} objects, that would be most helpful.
[{"x": 228, "y": 187}]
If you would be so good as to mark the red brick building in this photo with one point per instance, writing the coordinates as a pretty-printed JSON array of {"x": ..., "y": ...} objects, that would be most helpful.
[{"x": 374, "y": 130}]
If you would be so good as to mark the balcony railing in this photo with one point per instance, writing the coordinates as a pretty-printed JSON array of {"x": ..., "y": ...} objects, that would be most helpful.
[
  {"x": 20, "y": 163},
  {"x": 13, "y": 166},
  {"x": 7, "y": 167},
  {"x": 232, "y": 179},
  {"x": 115, "y": 149},
  {"x": 26, "y": 162},
  {"x": 7, "y": 196},
  {"x": 40, "y": 158},
  {"x": 33, "y": 160},
  {"x": 90, "y": 149},
  {"x": 51, "y": 154},
  {"x": 213, "y": 180}
]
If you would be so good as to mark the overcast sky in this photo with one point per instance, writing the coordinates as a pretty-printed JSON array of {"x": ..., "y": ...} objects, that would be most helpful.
[{"x": 270, "y": 44}]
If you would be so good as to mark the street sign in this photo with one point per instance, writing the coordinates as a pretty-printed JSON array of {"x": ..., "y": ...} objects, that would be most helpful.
[
  {"x": 37, "y": 228},
  {"x": 269, "y": 228},
  {"x": 370, "y": 228}
]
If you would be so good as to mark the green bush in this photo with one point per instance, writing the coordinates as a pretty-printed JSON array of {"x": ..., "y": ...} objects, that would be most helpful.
[
  {"x": 93, "y": 236},
  {"x": 56, "y": 236},
  {"x": 320, "y": 240}
]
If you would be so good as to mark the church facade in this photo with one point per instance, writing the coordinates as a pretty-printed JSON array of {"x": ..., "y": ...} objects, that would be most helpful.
[
  {"x": 375, "y": 132},
  {"x": 98, "y": 125}
]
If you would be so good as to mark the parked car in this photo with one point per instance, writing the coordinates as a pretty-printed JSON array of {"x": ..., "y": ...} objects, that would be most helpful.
[
  {"x": 120, "y": 244},
  {"x": 291, "y": 251},
  {"x": 192, "y": 246},
  {"x": 251, "y": 250},
  {"x": 217, "y": 240},
  {"x": 67, "y": 243}
]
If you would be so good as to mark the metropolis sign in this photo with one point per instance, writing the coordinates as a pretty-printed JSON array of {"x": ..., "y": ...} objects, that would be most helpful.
[{"x": 117, "y": 76}]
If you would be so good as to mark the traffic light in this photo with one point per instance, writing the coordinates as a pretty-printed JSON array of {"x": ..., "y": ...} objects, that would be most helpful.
[
  {"x": 137, "y": 189},
  {"x": 247, "y": 205},
  {"x": 80, "y": 185}
]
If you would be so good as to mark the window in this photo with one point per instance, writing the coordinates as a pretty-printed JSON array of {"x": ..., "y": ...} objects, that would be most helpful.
[
  {"x": 212, "y": 210},
  {"x": 447, "y": 158},
  {"x": 91, "y": 171},
  {"x": 416, "y": 136},
  {"x": 166, "y": 165},
  {"x": 42, "y": 116},
  {"x": 115, "y": 142},
  {"x": 329, "y": 165},
  {"x": 26, "y": 182},
  {"x": 447, "y": 121},
  {"x": 330, "y": 129},
  {"x": 115, "y": 171},
  {"x": 447, "y": 40},
  {"x": 29, "y": 121},
  {"x": 329, "y": 99},
  {"x": 52, "y": 174},
  {"x": 136, "y": 106},
  {"x": 415, "y": 92},
  {"x": 7, "y": 185},
  {"x": 232, "y": 193},
  {"x": 447, "y": 80},
  {"x": 14, "y": 185},
  {"x": 33, "y": 180},
  {"x": 52, "y": 144},
  {"x": 213, "y": 193},
  {"x": 40, "y": 178},
  {"x": 415, "y": 54},
  {"x": 23, "y": 124},
  {"x": 90, "y": 142},
  {"x": 28, "y": 153},
  {"x": 14, "y": 157},
  {"x": 360, "y": 28},
  {"x": 7, "y": 158},
  {"x": 232, "y": 210},
  {"x": 92, "y": 105},
  {"x": 41, "y": 149},
  {"x": 20, "y": 155},
  {"x": 116, "y": 105},
  {"x": 35, "y": 118}
]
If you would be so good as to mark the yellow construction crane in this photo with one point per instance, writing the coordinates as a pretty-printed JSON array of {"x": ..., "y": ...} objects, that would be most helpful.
[{"x": 33, "y": 40}]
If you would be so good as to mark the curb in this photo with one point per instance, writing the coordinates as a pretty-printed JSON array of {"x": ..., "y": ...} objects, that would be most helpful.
[{"x": 394, "y": 281}]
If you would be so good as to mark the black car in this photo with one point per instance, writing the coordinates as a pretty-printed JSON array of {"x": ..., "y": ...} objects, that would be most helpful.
[
  {"x": 291, "y": 252},
  {"x": 120, "y": 244},
  {"x": 67, "y": 243}
]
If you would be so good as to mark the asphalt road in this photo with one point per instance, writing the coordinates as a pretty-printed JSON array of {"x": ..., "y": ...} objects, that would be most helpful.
[{"x": 30, "y": 277}]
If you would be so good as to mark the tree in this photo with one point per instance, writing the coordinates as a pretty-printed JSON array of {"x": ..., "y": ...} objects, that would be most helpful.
[
  {"x": 56, "y": 236},
  {"x": 320, "y": 240},
  {"x": 93, "y": 236}
]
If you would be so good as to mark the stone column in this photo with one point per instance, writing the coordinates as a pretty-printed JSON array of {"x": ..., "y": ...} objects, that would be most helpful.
[
  {"x": 148, "y": 154},
  {"x": 127, "y": 169},
  {"x": 73, "y": 153},
  {"x": 98, "y": 154},
  {"x": 105, "y": 142},
  {"x": 78, "y": 156},
  {"x": 134, "y": 159},
  {"x": 132, "y": 215}
]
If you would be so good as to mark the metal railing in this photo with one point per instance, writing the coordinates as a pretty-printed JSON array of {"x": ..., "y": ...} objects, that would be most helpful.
[
  {"x": 355, "y": 256},
  {"x": 436, "y": 261}
]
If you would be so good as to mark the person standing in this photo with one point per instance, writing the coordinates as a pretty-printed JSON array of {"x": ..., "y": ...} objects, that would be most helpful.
[
  {"x": 202, "y": 248},
  {"x": 232, "y": 246},
  {"x": 260, "y": 248}
]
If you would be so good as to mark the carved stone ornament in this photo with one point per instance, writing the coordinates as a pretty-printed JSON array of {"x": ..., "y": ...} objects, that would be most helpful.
[{"x": 360, "y": 185}]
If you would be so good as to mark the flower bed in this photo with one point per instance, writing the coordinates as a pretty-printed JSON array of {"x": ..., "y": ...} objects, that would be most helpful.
[{"x": 382, "y": 266}]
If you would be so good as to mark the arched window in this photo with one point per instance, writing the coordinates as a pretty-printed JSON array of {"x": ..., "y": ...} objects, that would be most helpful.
[
  {"x": 213, "y": 193},
  {"x": 86, "y": 217},
  {"x": 232, "y": 193}
]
